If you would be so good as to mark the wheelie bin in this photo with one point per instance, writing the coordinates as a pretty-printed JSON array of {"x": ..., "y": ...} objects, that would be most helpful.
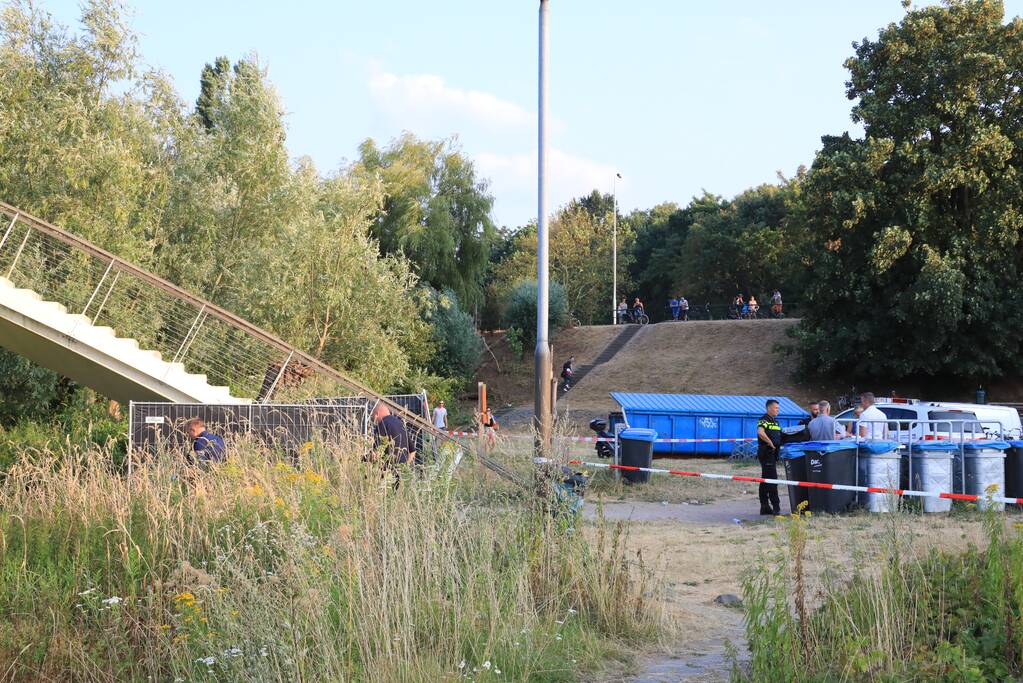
[
  {"x": 879, "y": 467},
  {"x": 831, "y": 462},
  {"x": 637, "y": 450},
  {"x": 1014, "y": 469},
  {"x": 982, "y": 462},
  {"x": 793, "y": 458},
  {"x": 931, "y": 471}
]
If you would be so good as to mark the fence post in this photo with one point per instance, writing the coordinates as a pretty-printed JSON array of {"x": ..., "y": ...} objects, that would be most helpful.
[
  {"x": 9, "y": 228},
  {"x": 99, "y": 285},
  {"x": 270, "y": 391},
  {"x": 481, "y": 409},
  {"x": 17, "y": 256}
]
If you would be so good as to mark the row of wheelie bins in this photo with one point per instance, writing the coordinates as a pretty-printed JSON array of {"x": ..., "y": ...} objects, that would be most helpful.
[{"x": 932, "y": 466}]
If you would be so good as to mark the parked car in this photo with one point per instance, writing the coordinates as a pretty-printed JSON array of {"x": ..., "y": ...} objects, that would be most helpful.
[{"x": 914, "y": 420}]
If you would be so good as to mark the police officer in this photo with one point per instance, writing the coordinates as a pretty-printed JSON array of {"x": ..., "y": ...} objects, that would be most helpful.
[{"x": 768, "y": 443}]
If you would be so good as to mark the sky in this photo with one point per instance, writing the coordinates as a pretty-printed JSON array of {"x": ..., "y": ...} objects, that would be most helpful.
[{"x": 676, "y": 95}]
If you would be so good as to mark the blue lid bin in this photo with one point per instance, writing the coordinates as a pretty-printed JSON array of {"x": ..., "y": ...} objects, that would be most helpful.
[
  {"x": 793, "y": 458},
  {"x": 930, "y": 469},
  {"x": 1014, "y": 470},
  {"x": 880, "y": 466},
  {"x": 829, "y": 462},
  {"x": 982, "y": 468},
  {"x": 636, "y": 448}
]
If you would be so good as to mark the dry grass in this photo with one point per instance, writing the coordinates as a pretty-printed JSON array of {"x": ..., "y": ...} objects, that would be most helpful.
[{"x": 262, "y": 571}]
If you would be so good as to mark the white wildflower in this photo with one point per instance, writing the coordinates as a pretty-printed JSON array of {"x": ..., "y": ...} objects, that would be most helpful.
[
  {"x": 557, "y": 637},
  {"x": 232, "y": 652},
  {"x": 461, "y": 664},
  {"x": 497, "y": 671},
  {"x": 112, "y": 600},
  {"x": 486, "y": 665},
  {"x": 263, "y": 652},
  {"x": 208, "y": 661},
  {"x": 91, "y": 590},
  {"x": 572, "y": 611}
]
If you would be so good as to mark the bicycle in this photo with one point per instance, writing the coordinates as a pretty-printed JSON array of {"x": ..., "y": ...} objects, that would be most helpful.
[{"x": 637, "y": 317}]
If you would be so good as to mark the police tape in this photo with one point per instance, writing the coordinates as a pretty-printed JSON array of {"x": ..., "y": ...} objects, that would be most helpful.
[
  {"x": 806, "y": 484},
  {"x": 609, "y": 439}
]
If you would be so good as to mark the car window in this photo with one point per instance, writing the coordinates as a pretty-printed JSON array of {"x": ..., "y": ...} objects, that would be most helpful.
[
  {"x": 956, "y": 416},
  {"x": 845, "y": 415},
  {"x": 904, "y": 415}
]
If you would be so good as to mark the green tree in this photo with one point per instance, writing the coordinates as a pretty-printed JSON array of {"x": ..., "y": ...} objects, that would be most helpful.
[
  {"x": 459, "y": 346},
  {"x": 436, "y": 212},
  {"x": 520, "y": 313},
  {"x": 916, "y": 251}
]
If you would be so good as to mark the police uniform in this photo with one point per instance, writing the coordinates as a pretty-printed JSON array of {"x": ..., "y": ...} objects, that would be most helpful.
[{"x": 769, "y": 463}]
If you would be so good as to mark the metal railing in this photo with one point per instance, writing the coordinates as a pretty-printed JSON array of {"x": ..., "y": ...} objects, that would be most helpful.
[
  {"x": 909, "y": 433},
  {"x": 160, "y": 316}
]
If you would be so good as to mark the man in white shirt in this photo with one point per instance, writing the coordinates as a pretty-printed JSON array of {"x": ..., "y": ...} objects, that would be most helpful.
[
  {"x": 869, "y": 426},
  {"x": 440, "y": 417}
]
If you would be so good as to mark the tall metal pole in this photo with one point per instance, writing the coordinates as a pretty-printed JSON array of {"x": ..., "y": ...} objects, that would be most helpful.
[
  {"x": 614, "y": 251},
  {"x": 542, "y": 355}
]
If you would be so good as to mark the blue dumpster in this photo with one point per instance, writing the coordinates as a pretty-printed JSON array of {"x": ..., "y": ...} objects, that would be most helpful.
[{"x": 722, "y": 420}]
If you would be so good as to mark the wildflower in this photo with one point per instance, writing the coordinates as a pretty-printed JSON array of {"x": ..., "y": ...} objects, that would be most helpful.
[
  {"x": 208, "y": 661},
  {"x": 84, "y": 593},
  {"x": 557, "y": 637},
  {"x": 461, "y": 664},
  {"x": 233, "y": 652},
  {"x": 263, "y": 652},
  {"x": 184, "y": 597},
  {"x": 497, "y": 671},
  {"x": 235, "y": 613},
  {"x": 572, "y": 611},
  {"x": 165, "y": 627},
  {"x": 112, "y": 600},
  {"x": 486, "y": 665}
]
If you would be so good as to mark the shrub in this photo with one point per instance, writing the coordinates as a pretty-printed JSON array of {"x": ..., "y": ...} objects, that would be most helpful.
[
  {"x": 454, "y": 334},
  {"x": 520, "y": 312}
]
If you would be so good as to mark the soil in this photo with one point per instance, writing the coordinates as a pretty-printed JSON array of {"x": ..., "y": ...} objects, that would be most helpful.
[{"x": 509, "y": 378}]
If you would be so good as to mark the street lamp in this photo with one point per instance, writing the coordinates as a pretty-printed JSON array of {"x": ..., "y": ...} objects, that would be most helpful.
[
  {"x": 614, "y": 249},
  {"x": 542, "y": 362}
]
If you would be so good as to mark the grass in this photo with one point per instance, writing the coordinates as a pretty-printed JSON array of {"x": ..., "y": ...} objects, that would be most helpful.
[
  {"x": 676, "y": 489},
  {"x": 260, "y": 570},
  {"x": 891, "y": 614}
]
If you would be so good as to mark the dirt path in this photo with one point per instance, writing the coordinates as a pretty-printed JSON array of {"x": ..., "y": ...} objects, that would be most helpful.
[{"x": 702, "y": 552}]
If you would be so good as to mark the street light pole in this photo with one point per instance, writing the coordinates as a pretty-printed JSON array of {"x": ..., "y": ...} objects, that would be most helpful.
[
  {"x": 614, "y": 250},
  {"x": 542, "y": 417}
]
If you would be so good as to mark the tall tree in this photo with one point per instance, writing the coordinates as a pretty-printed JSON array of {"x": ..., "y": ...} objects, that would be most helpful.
[
  {"x": 917, "y": 253},
  {"x": 436, "y": 212}
]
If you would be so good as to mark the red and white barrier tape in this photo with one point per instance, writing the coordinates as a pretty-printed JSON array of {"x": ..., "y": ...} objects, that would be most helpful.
[
  {"x": 610, "y": 439},
  {"x": 807, "y": 484}
]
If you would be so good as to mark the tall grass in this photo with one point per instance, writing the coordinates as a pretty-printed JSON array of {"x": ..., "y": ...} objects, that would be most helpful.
[
  {"x": 257, "y": 570},
  {"x": 894, "y": 617}
]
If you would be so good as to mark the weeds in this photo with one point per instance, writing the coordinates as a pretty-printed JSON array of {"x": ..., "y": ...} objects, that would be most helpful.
[
  {"x": 940, "y": 617},
  {"x": 259, "y": 570}
]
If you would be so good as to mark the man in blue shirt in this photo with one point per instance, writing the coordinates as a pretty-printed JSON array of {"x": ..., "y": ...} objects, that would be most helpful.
[
  {"x": 675, "y": 307},
  {"x": 207, "y": 446}
]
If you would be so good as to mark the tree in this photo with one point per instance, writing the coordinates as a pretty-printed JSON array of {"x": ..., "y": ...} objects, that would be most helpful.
[
  {"x": 458, "y": 344},
  {"x": 916, "y": 251},
  {"x": 520, "y": 313},
  {"x": 436, "y": 212}
]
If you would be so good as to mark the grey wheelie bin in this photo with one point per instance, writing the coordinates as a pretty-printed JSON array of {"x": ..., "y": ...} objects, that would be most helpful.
[
  {"x": 879, "y": 468},
  {"x": 831, "y": 462},
  {"x": 982, "y": 462},
  {"x": 637, "y": 450},
  {"x": 793, "y": 458},
  {"x": 931, "y": 471}
]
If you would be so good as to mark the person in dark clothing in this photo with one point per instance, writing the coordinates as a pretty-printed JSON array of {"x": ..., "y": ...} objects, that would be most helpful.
[
  {"x": 813, "y": 407},
  {"x": 566, "y": 372},
  {"x": 768, "y": 443},
  {"x": 207, "y": 447},
  {"x": 390, "y": 438}
]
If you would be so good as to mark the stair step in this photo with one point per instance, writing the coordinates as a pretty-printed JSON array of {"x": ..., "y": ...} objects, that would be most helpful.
[{"x": 28, "y": 294}]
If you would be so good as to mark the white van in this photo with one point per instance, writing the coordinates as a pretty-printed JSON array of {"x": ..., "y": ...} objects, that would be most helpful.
[{"x": 913, "y": 420}]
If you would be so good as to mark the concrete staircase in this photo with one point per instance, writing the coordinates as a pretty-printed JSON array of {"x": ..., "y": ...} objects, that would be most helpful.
[
  {"x": 616, "y": 345},
  {"x": 45, "y": 332}
]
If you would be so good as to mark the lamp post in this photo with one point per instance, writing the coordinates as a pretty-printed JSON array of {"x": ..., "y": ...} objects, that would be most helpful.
[
  {"x": 542, "y": 417},
  {"x": 614, "y": 249}
]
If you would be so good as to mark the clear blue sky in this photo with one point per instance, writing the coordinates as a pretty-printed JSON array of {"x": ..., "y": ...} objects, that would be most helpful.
[{"x": 678, "y": 96}]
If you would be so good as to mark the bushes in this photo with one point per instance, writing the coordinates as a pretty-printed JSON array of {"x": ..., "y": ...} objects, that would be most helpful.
[
  {"x": 946, "y": 617},
  {"x": 459, "y": 346},
  {"x": 520, "y": 312}
]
